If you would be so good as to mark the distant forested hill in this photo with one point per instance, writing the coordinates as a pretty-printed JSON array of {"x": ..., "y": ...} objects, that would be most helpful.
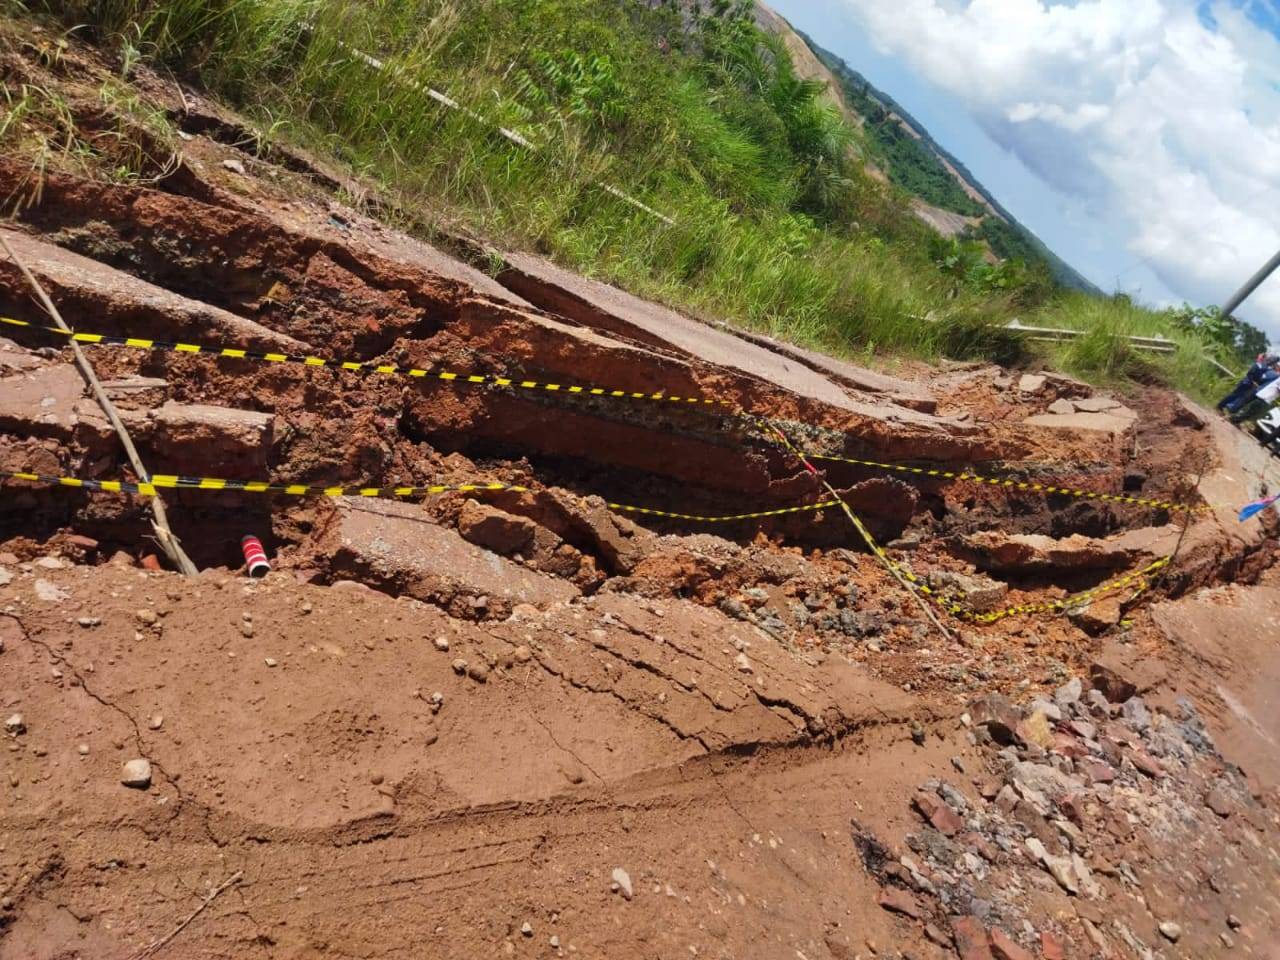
[{"x": 917, "y": 163}]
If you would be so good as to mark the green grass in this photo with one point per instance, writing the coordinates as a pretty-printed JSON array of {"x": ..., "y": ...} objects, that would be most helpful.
[
  {"x": 1105, "y": 354},
  {"x": 777, "y": 225}
]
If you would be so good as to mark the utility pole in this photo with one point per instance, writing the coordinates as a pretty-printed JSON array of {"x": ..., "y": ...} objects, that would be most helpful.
[{"x": 1250, "y": 285}]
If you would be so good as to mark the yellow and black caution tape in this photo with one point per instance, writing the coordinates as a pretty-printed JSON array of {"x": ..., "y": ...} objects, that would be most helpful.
[
  {"x": 174, "y": 482},
  {"x": 178, "y": 482},
  {"x": 388, "y": 369},
  {"x": 1077, "y": 599},
  {"x": 450, "y": 376},
  {"x": 724, "y": 519},
  {"x": 1012, "y": 484},
  {"x": 1052, "y": 606}
]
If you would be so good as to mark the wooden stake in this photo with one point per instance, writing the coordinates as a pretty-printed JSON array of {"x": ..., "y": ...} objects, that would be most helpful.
[
  {"x": 213, "y": 895},
  {"x": 160, "y": 522}
]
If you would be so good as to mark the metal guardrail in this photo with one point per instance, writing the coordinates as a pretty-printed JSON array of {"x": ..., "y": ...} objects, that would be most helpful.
[{"x": 1065, "y": 335}]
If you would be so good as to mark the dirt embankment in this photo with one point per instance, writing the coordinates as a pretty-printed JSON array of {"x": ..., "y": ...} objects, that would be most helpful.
[{"x": 533, "y": 722}]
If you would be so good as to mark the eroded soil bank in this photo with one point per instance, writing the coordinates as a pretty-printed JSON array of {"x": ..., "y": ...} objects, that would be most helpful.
[{"x": 533, "y": 722}]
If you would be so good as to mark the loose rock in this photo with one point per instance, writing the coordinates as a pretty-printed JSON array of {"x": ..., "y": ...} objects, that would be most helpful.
[
  {"x": 1110, "y": 684},
  {"x": 945, "y": 820},
  {"x": 1036, "y": 729},
  {"x": 1134, "y": 710},
  {"x": 897, "y": 900},
  {"x": 1218, "y": 801},
  {"x": 48, "y": 592},
  {"x": 623, "y": 881},
  {"x": 137, "y": 774},
  {"x": 971, "y": 938},
  {"x": 998, "y": 715},
  {"x": 1171, "y": 931},
  {"x": 496, "y": 530},
  {"x": 1051, "y": 946},
  {"x": 15, "y": 725},
  {"x": 1005, "y": 948}
]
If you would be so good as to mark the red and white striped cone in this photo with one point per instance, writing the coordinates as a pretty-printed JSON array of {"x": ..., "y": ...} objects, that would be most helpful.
[{"x": 254, "y": 556}]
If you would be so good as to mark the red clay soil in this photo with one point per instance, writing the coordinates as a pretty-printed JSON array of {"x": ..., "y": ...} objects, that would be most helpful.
[{"x": 530, "y": 723}]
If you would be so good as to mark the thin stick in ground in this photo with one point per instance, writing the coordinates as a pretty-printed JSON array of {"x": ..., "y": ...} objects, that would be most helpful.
[
  {"x": 1187, "y": 519},
  {"x": 160, "y": 522},
  {"x": 154, "y": 946}
]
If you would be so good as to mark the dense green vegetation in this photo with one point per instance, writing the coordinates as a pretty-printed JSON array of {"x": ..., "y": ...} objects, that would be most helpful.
[
  {"x": 777, "y": 225},
  {"x": 908, "y": 161},
  {"x": 912, "y": 166},
  {"x": 919, "y": 165}
]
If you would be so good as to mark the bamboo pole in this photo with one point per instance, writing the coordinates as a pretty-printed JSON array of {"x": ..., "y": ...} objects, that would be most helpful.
[{"x": 160, "y": 518}]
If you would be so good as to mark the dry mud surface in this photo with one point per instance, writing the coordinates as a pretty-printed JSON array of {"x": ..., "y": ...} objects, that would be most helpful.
[{"x": 529, "y": 722}]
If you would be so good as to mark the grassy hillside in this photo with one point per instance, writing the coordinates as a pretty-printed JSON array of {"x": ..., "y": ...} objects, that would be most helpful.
[
  {"x": 776, "y": 224},
  {"x": 917, "y": 165}
]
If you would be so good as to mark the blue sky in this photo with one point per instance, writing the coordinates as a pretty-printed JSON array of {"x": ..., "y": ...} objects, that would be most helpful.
[{"x": 1140, "y": 139}]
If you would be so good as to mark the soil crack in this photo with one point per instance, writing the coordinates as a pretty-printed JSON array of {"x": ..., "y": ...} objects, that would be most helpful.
[{"x": 70, "y": 668}]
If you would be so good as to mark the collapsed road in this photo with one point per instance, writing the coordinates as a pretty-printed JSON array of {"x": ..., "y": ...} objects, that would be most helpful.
[{"x": 527, "y": 719}]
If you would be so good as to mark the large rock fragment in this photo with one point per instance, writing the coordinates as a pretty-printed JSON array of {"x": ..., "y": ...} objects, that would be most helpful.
[
  {"x": 1106, "y": 423},
  {"x": 1020, "y": 552},
  {"x": 615, "y": 311},
  {"x": 1098, "y": 616},
  {"x": 977, "y": 594},
  {"x": 396, "y": 547},
  {"x": 220, "y": 441},
  {"x": 1116, "y": 687},
  {"x": 41, "y": 402},
  {"x": 120, "y": 302},
  {"x": 497, "y": 530},
  {"x": 589, "y": 525},
  {"x": 998, "y": 715}
]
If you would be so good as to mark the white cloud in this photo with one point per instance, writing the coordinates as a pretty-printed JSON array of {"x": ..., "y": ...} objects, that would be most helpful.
[{"x": 1161, "y": 124}]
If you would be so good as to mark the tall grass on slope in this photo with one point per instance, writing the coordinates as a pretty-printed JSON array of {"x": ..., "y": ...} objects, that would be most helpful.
[
  {"x": 777, "y": 224},
  {"x": 1104, "y": 352}
]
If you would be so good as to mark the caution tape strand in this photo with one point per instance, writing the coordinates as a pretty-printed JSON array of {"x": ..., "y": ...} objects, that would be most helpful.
[
  {"x": 951, "y": 606},
  {"x": 177, "y": 482},
  {"x": 1012, "y": 484},
  {"x": 148, "y": 488},
  {"x": 162, "y": 481},
  {"x": 475, "y": 379},
  {"x": 362, "y": 366}
]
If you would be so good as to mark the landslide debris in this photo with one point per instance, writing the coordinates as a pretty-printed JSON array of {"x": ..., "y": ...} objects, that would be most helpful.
[{"x": 483, "y": 718}]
